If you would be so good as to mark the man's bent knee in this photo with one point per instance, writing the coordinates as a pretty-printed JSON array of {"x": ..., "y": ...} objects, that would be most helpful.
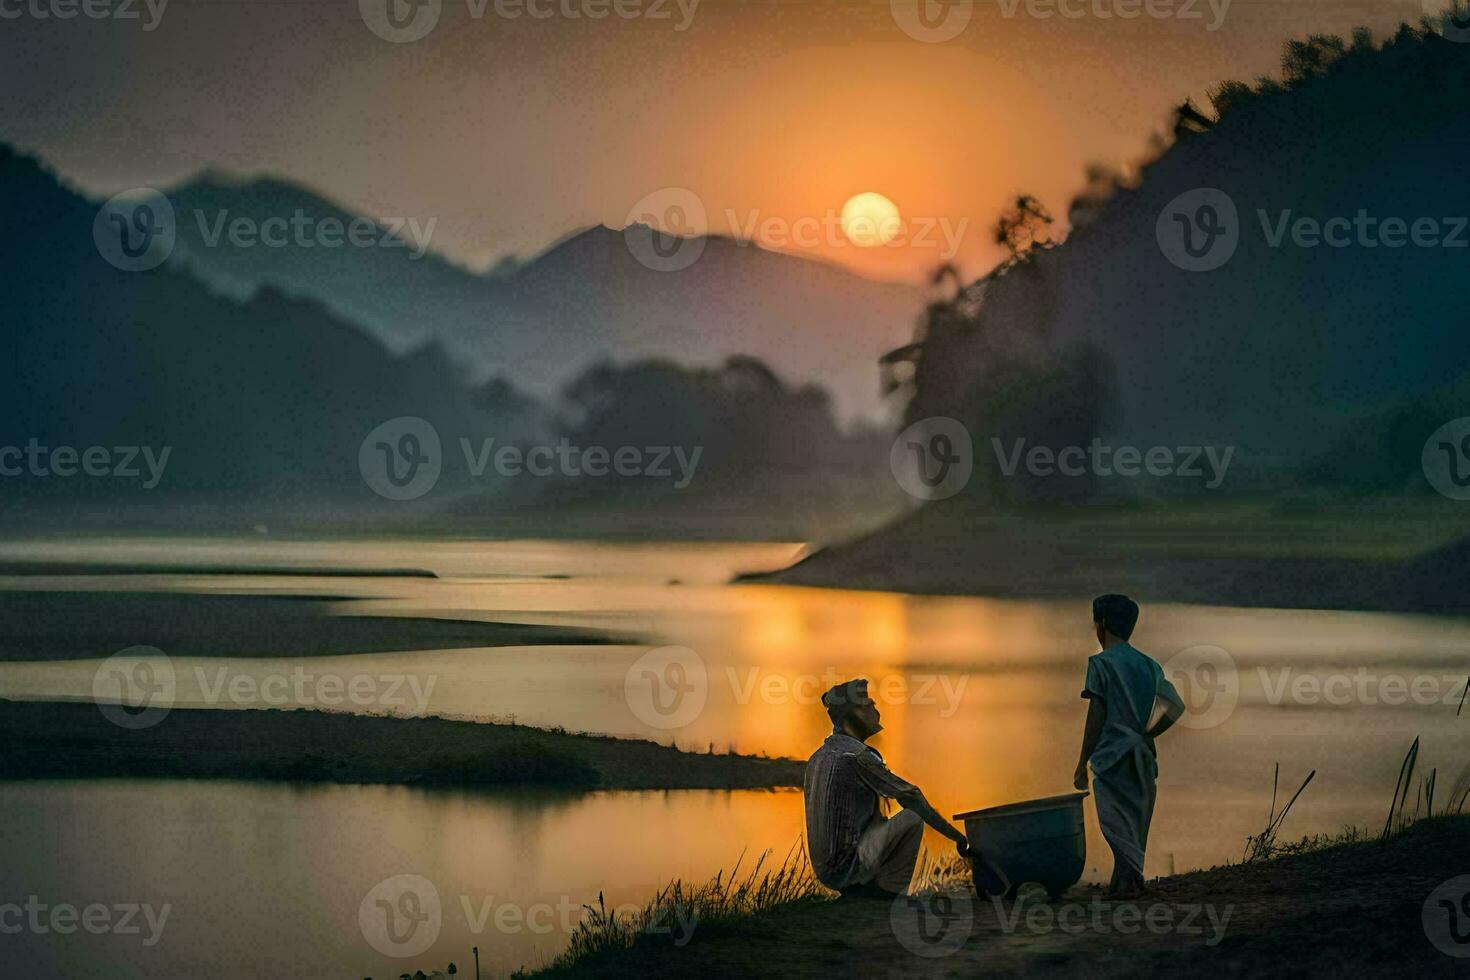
[
  {"x": 895, "y": 866},
  {"x": 908, "y": 822}
]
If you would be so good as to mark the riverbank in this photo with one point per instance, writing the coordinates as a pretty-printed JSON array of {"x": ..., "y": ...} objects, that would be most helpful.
[
  {"x": 1355, "y": 908},
  {"x": 1373, "y": 556},
  {"x": 61, "y": 624},
  {"x": 73, "y": 740}
]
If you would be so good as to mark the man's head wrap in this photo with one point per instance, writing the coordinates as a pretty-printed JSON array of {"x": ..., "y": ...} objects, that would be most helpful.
[{"x": 842, "y": 698}]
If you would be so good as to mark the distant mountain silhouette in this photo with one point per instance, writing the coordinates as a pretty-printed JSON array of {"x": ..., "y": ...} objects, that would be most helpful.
[
  {"x": 265, "y": 399},
  {"x": 585, "y": 299},
  {"x": 353, "y": 281},
  {"x": 1280, "y": 351},
  {"x": 1326, "y": 368}
]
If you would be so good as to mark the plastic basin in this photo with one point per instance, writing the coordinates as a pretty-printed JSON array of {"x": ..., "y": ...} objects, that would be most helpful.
[{"x": 1038, "y": 841}]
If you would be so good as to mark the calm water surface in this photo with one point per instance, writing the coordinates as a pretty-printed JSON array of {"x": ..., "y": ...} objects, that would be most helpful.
[{"x": 979, "y": 699}]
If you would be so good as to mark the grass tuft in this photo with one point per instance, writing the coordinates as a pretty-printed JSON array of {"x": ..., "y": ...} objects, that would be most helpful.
[
  {"x": 940, "y": 875},
  {"x": 678, "y": 909},
  {"x": 1264, "y": 846}
]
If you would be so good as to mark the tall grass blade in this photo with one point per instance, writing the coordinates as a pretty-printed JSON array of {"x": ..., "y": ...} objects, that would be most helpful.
[
  {"x": 1401, "y": 789},
  {"x": 1260, "y": 847}
]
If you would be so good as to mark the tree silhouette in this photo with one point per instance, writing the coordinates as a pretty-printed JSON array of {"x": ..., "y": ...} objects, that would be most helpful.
[{"x": 1022, "y": 227}]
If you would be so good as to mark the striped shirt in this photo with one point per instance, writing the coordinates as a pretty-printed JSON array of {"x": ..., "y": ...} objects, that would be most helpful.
[{"x": 845, "y": 782}]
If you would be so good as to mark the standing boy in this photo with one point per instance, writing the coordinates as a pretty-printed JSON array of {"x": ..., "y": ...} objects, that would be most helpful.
[{"x": 1131, "y": 703}]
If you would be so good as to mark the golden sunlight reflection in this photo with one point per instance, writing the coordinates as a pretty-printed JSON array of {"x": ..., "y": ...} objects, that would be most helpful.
[
  {"x": 979, "y": 697},
  {"x": 245, "y": 860}
]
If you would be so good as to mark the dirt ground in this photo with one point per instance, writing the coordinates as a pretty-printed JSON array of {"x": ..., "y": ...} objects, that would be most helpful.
[{"x": 1354, "y": 909}]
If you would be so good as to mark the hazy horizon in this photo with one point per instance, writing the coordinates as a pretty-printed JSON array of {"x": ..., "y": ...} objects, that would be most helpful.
[{"x": 515, "y": 133}]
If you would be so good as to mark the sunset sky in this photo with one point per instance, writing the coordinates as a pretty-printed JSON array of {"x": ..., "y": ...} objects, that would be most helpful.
[{"x": 512, "y": 133}]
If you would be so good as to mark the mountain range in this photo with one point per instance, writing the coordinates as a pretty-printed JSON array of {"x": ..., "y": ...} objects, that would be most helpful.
[
  {"x": 1330, "y": 286},
  {"x": 585, "y": 299},
  {"x": 1314, "y": 326},
  {"x": 258, "y": 404},
  {"x": 266, "y": 397}
]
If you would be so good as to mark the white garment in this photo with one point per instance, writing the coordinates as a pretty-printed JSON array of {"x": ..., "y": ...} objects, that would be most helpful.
[
  {"x": 1125, "y": 793},
  {"x": 889, "y": 850},
  {"x": 1124, "y": 766}
]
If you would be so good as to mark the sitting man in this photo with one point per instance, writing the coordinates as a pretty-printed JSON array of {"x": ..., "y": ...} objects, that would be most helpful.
[{"x": 854, "y": 848}]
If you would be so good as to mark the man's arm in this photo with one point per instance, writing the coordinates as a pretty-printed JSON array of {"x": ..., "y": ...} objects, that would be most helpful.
[
  {"x": 1097, "y": 717},
  {"x": 883, "y": 781},
  {"x": 917, "y": 803}
]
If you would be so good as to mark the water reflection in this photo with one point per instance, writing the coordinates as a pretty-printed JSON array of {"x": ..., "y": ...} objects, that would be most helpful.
[
  {"x": 979, "y": 699},
  {"x": 267, "y": 879}
]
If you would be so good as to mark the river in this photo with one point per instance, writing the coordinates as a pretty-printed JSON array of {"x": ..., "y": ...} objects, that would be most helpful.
[{"x": 979, "y": 700}]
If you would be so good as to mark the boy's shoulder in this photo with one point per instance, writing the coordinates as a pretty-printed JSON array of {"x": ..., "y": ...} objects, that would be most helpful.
[{"x": 1126, "y": 653}]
